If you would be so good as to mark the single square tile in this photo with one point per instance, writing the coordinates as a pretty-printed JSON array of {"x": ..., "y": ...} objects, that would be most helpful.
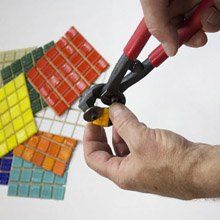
[
  {"x": 25, "y": 175},
  {"x": 37, "y": 175},
  {"x": 48, "y": 177},
  {"x": 58, "y": 193},
  {"x": 46, "y": 192},
  {"x": 13, "y": 189},
  {"x": 35, "y": 191},
  {"x": 23, "y": 190},
  {"x": 15, "y": 175}
]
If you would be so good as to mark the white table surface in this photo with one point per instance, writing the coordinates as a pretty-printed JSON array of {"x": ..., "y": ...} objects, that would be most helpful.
[{"x": 182, "y": 95}]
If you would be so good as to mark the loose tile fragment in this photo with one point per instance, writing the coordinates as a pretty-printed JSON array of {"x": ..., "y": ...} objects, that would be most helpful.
[
  {"x": 51, "y": 152},
  {"x": 24, "y": 64},
  {"x": 66, "y": 71},
  {"x": 29, "y": 180},
  {"x": 17, "y": 123}
]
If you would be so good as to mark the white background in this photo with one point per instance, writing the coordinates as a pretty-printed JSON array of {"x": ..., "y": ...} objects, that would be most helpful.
[{"x": 182, "y": 95}]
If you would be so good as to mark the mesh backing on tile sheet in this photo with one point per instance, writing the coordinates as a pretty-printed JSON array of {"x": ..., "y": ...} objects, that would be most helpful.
[
  {"x": 9, "y": 56},
  {"x": 24, "y": 64},
  {"x": 66, "y": 71},
  {"x": 28, "y": 180},
  {"x": 17, "y": 123},
  {"x": 5, "y": 167},
  {"x": 70, "y": 124},
  {"x": 51, "y": 152}
]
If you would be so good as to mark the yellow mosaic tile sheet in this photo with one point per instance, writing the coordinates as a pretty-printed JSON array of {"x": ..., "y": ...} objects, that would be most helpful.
[{"x": 17, "y": 123}]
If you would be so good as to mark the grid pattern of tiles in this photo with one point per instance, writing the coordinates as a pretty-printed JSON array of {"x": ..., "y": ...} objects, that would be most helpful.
[
  {"x": 28, "y": 180},
  {"x": 5, "y": 167},
  {"x": 8, "y": 57},
  {"x": 17, "y": 123},
  {"x": 66, "y": 70},
  {"x": 24, "y": 65},
  {"x": 70, "y": 124},
  {"x": 51, "y": 152}
]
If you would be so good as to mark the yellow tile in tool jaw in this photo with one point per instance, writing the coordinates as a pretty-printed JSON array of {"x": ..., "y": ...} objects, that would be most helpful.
[
  {"x": 31, "y": 128},
  {"x": 9, "y": 88},
  {"x": 27, "y": 116},
  {"x": 8, "y": 130},
  {"x": 12, "y": 99},
  {"x": 20, "y": 80},
  {"x": 103, "y": 121},
  {"x": 2, "y": 94},
  {"x": 5, "y": 118},
  {"x": 21, "y": 136},
  {"x": 11, "y": 142},
  {"x": 25, "y": 104},
  {"x": 22, "y": 92},
  {"x": 18, "y": 123},
  {"x": 3, "y": 106},
  {"x": 3, "y": 149},
  {"x": 15, "y": 111}
]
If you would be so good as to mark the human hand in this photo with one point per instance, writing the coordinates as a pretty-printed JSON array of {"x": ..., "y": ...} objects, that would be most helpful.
[
  {"x": 151, "y": 160},
  {"x": 162, "y": 16}
]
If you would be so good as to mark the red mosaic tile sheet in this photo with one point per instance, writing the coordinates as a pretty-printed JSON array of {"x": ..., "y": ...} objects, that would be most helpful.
[{"x": 66, "y": 71}]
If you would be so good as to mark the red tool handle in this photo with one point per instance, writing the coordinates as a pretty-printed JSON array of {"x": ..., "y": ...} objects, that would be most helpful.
[
  {"x": 190, "y": 27},
  {"x": 137, "y": 41}
]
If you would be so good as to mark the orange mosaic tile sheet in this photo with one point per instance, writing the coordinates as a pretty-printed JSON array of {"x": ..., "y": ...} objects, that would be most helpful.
[
  {"x": 51, "y": 152},
  {"x": 66, "y": 70}
]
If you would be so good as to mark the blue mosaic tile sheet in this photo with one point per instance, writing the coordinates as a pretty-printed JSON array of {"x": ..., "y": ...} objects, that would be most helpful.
[
  {"x": 5, "y": 167},
  {"x": 28, "y": 180}
]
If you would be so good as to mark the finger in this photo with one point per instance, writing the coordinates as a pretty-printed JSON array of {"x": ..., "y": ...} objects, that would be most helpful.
[
  {"x": 120, "y": 147},
  {"x": 198, "y": 40},
  {"x": 98, "y": 154},
  {"x": 157, "y": 19},
  {"x": 211, "y": 20},
  {"x": 126, "y": 124},
  {"x": 180, "y": 7}
]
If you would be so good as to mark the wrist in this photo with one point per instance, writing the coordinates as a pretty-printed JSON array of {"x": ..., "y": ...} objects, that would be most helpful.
[{"x": 204, "y": 171}]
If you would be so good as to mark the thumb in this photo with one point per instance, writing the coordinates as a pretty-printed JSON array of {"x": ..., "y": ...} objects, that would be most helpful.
[
  {"x": 125, "y": 123},
  {"x": 157, "y": 17}
]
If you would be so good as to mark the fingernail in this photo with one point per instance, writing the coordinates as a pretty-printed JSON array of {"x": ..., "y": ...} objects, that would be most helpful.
[
  {"x": 115, "y": 110},
  {"x": 213, "y": 18},
  {"x": 169, "y": 49}
]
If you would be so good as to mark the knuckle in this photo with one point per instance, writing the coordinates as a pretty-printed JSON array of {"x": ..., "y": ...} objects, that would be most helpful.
[
  {"x": 123, "y": 123},
  {"x": 154, "y": 30},
  {"x": 217, "y": 4},
  {"x": 123, "y": 184}
]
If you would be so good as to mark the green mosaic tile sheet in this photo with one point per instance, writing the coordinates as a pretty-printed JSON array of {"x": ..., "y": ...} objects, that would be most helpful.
[
  {"x": 28, "y": 180},
  {"x": 24, "y": 64},
  {"x": 9, "y": 56}
]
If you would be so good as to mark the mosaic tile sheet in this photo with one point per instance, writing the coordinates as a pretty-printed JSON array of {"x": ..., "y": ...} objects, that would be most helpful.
[
  {"x": 24, "y": 64},
  {"x": 5, "y": 167},
  {"x": 66, "y": 70},
  {"x": 29, "y": 180},
  {"x": 9, "y": 56},
  {"x": 51, "y": 152},
  {"x": 70, "y": 124},
  {"x": 17, "y": 123}
]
